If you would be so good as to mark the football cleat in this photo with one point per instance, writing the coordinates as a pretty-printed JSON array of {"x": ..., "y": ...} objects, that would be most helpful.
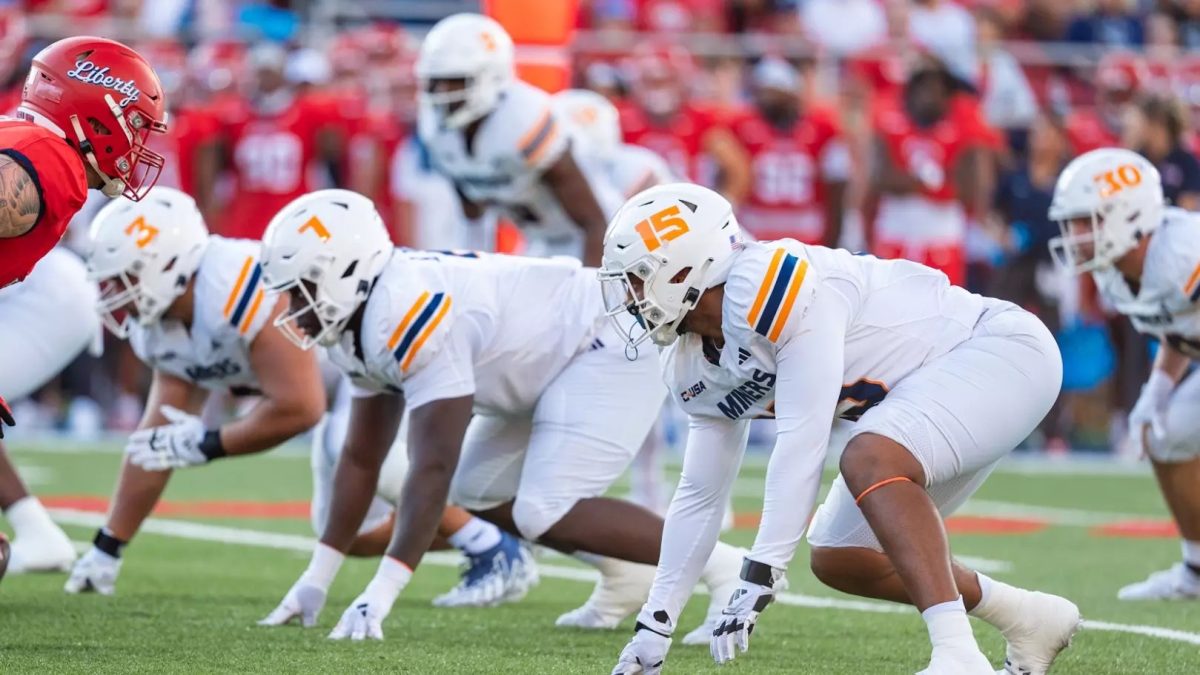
[
  {"x": 49, "y": 550},
  {"x": 615, "y": 597},
  {"x": 1175, "y": 583},
  {"x": 95, "y": 572},
  {"x": 503, "y": 573},
  {"x": 1047, "y": 625},
  {"x": 948, "y": 661}
]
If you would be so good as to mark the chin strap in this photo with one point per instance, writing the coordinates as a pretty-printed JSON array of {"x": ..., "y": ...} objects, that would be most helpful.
[{"x": 112, "y": 187}]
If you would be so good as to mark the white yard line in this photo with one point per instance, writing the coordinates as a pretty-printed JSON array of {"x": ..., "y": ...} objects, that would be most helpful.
[
  {"x": 1052, "y": 514},
  {"x": 292, "y": 542}
]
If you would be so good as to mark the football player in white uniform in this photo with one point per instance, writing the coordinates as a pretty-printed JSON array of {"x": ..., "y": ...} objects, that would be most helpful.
[
  {"x": 37, "y": 345},
  {"x": 501, "y": 143},
  {"x": 595, "y": 123},
  {"x": 195, "y": 310},
  {"x": 943, "y": 384},
  {"x": 1145, "y": 260},
  {"x": 523, "y": 405}
]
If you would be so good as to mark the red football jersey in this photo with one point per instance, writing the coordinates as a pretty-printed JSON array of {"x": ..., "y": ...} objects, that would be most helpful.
[
  {"x": 790, "y": 169},
  {"x": 378, "y": 133},
  {"x": 273, "y": 156},
  {"x": 930, "y": 154},
  {"x": 57, "y": 170},
  {"x": 1087, "y": 131},
  {"x": 680, "y": 141},
  {"x": 190, "y": 129}
]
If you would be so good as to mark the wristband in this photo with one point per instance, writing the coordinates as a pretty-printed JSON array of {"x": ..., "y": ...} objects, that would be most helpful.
[
  {"x": 210, "y": 446},
  {"x": 760, "y": 573},
  {"x": 324, "y": 565}
]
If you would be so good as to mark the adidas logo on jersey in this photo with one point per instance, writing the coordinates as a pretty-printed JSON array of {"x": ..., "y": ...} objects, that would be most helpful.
[{"x": 743, "y": 356}]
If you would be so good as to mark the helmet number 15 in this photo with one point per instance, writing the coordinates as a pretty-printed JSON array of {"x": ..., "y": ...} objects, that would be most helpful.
[
  {"x": 662, "y": 226},
  {"x": 1116, "y": 180}
]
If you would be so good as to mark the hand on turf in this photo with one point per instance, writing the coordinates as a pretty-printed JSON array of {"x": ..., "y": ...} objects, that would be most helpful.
[
  {"x": 304, "y": 601},
  {"x": 740, "y": 616},
  {"x": 171, "y": 446},
  {"x": 1150, "y": 411},
  {"x": 363, "y": 619},
  {"x": 644, "y": 654},
  {"x": 6, "y": 417}
]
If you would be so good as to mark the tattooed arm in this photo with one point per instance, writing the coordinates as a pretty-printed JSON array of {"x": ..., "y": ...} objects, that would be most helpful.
[{"x": 20, "y": 202}]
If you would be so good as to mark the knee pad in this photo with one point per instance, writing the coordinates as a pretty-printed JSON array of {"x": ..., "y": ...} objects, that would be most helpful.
[
  {"x": 533, "y": 517},
  {"x": 393, "y": 473}
]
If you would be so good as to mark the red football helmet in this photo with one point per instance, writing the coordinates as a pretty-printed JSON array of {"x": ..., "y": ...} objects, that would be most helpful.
[{"x": 104, "y": 99}]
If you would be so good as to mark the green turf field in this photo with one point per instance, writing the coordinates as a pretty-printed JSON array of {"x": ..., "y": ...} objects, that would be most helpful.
[{"x": 188, "y": 604}]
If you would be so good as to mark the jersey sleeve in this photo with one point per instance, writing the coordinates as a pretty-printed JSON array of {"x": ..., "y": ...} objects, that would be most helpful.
[
  {"x": 414, "y": 342},
  {"x": 710, "y": 465},
  {"x": 768, "y": 293},
  {"x": 808, "y": 380},
  {"x": 527, "y": 132},
  {"x": 235, "y": 299}
]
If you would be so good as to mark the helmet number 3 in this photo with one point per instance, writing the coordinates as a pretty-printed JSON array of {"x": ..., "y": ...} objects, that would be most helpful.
[
  {"x": 143, "y": 231},
  {"x": 660, "y": 227},
  {"x": 1112, "y": 182}
]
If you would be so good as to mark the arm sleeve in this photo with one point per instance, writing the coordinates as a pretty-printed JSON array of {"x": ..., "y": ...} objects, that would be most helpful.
[
  {"x": 710, "y": 464},
  {"x": 806, "y": 393}
]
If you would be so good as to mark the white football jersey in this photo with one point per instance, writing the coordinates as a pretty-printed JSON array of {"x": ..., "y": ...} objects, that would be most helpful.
[
  {"x": 502, "y": 169},
  {"x": 231, "y": 306},
  {"x": 1167, "y": 305},
  {"x": 632, "y": 168},
  {"x": 903, "y": 314},
  {"x": 440, "y": 326}
]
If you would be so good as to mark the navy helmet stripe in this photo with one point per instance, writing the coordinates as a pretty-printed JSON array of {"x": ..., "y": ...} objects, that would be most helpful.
[
  {"x": 247, "y": 293},
  {"x": 777, "y": 292},
  {"x": 415, "y": 329}
]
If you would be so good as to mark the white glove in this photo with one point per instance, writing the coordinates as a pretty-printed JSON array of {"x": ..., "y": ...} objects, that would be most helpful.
[
  {"x": 647, "y": 650},
  {"x": 748, "y": 601},
  {"x": 1151, "y": 410},
  {"x": 364, "y": 617},
  {"x": 94, "y": 572},
  {"x": 171, "y": 446},
  {"x": 306, "y": 598}
]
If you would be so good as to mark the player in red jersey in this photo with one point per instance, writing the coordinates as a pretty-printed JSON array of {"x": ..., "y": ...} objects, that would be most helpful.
[
  {"x": 275, "y": 150},
  {"x": 691, "y": 138},
  {"x": 799, "y": 160},
  {"x": 933, "y": 169},
  {"x": 87, "y": 110}
]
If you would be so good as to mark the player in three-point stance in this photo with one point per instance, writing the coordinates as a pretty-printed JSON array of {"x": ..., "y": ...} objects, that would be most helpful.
[
  {"x": 86, "y": 113},
  {"x": 942, "y": 383},
  {"x": 522, "y": 405},
  {"x": 1145, "y": 260}
]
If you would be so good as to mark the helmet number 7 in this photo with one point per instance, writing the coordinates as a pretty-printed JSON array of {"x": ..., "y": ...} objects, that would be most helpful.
[{"x": 662, "y": 226}]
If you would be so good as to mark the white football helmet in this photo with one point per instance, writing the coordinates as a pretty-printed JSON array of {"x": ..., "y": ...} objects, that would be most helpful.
[
  {"x": 590, "y": 117},
  {"x": 144, "y": 253},
  {"x": 328, "y": 246},
  {"x": 664, "y": 248},
  {"x": 469, "y": 47},
  {"x": 1119, "y": 192}
]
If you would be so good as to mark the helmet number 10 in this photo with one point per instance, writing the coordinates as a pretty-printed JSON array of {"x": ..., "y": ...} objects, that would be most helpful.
[
  {"x": 662, "y": 226},
  {"x": 1112, "y": 182}
]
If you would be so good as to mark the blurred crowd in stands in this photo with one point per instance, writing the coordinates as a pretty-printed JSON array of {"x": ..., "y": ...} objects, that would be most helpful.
[{"x": 928, "y": 129}]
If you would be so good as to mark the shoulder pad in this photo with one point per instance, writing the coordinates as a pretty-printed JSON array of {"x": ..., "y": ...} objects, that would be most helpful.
[
  {"x": 410, "y": 321},
  {"x": 230, "y": 291},
  {"x": 524, "y": 128},
  {"x": 768, "y": 291}
]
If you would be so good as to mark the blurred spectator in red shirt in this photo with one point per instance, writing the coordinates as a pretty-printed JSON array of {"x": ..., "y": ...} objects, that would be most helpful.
[
  {"x": 1118, "y": 79},
  {"x": 1113, "y": 23},
  {"x": 690, "y": 137},
  {"x": 883, "y": 67},
  {"x": 1158, "y": 127},
  {"x": 844, "y": 27},
  {"x": 276, "y": 153},
  {"x": 14, "y": 41},
  {"x": 672, "y": 17},
  {"x": 799, "y": 160},
  {"x": 933, "y": 168}
]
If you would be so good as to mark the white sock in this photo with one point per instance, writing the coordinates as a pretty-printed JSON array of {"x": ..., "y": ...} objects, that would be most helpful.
[
  {"x": 999, "y": 603},
  {"x": 723, "y": 565},
  {"x": 477, "y": 536},
  {"x": 1191, "y": 553},
  {"x": 948, "y": 625},
  {"x": 29, "y": 518}
]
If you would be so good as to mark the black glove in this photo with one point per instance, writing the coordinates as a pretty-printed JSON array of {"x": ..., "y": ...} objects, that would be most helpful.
[{"x": 5, "y": 416}]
